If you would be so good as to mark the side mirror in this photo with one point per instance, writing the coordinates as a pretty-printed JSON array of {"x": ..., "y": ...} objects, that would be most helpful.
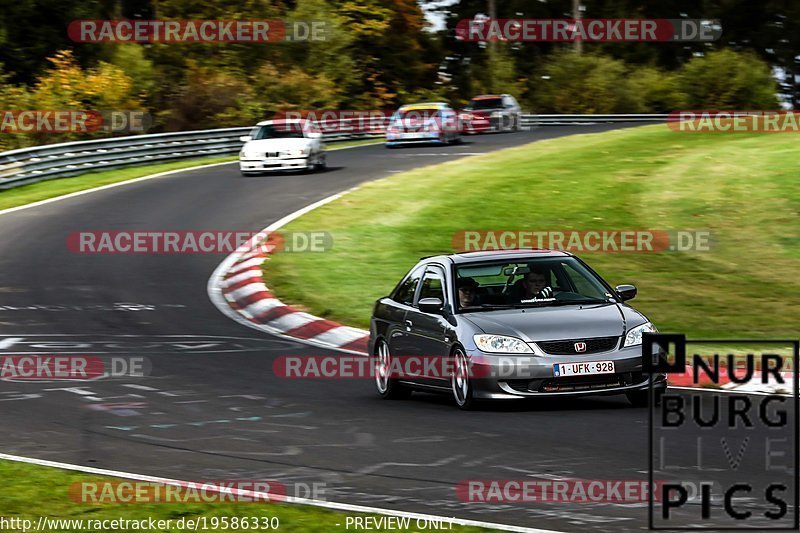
[
  {"x": 626, "y": 292},
  {"x": 245, "y": 138},
  {"x": 314, "y": 135},
  {"x": 431, "y": 305}
]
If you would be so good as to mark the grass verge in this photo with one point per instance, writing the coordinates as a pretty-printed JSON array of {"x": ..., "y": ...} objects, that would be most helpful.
[
  {"x": 741, "y": 187},
  {"x": 36, "y": 192},
  {"x": 31, "y": 491}
]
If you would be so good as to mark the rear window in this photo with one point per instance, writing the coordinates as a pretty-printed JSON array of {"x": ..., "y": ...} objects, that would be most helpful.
[
  {"x": 417, "y": 113},
  {"x": 485, "y": 103},
  {"x": 281, "y": 131}
]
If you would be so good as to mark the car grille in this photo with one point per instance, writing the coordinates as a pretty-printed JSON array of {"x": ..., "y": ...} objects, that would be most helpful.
[
  {"x": 272, "y": 154},
  {"x": 577, "y": 383},
  {"x": 595, "y": 345}
]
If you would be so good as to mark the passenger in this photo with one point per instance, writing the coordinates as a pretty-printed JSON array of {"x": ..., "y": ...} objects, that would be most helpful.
[{"x": 467, "y": 296}]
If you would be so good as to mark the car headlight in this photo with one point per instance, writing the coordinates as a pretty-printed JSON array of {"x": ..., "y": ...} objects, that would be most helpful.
[
  {"x": 634, "y": 335},
  {"x": 297, "y": 152},
  {"x": 501, "y": 344}
]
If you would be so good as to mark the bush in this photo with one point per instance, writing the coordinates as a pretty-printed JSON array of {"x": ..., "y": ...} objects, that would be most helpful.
[
  {"x": 583, "y": 83},
  {"x": 67, "y": 86},
  {"x": 209, "y": 98},
  {"x": 725, "y": 79},
  {"x": 657, "y": 91}
]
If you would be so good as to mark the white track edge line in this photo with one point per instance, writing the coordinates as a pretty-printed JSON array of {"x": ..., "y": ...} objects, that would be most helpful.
[
  {"x": 282, "y": 499},
  {"x": 109, "y": 186},
  {"x": 140, "y": 178}
]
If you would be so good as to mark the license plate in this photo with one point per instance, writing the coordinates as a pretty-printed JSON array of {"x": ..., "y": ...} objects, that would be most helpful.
[{"x": 562, "y": 370}]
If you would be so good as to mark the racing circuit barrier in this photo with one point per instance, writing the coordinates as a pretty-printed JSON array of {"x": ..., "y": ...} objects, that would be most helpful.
[{"x": 50, "y": 161}]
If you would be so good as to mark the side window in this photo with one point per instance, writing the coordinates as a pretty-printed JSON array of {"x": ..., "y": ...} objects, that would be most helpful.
[
  {"x": 432, "y": 285},
  {"x": 405, "y": 292}
]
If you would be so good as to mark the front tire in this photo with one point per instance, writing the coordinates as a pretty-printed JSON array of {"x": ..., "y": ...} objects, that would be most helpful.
[
  {"x": 460, "y": 382},
  {"x": 319, "y": 164},
  {"x": 388, "y": 388}
]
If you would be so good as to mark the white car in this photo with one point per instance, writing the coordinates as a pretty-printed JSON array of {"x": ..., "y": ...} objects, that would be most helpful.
[{"x": 285, "y": 144}]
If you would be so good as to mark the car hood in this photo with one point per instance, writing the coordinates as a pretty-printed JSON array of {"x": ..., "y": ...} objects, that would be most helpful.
[
  {"x": 558, "y": 323},
  {"x": 276, "y": 145}
]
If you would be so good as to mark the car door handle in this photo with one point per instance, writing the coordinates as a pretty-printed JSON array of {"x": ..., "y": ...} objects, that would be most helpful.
[{"x": 409, "y": 325}]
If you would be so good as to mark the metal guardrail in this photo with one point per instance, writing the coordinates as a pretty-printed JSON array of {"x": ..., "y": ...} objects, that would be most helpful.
[{"x": 50, "y": 161}]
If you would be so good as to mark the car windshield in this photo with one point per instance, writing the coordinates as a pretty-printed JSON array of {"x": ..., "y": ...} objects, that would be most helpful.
[
  {"x": 278, "y": 131},
  {"x": 527, "y": 283},
  {"x": 485, "y": 103}
]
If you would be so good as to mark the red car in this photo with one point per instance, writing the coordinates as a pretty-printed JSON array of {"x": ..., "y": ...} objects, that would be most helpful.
[{"x": 491, "y": 112}]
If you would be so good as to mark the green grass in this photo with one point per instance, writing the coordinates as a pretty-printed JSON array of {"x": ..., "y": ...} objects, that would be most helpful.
[
  {"x": 32, "y": 491},
  {"x": 742, "y": 188},
  {"x": 43, "y": 190}
]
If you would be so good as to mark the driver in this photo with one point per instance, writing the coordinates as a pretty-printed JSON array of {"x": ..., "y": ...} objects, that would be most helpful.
[{"x": 535, "y": 284}]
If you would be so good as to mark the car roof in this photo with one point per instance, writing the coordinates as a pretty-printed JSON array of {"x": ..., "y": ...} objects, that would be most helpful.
[
  {"x": 490, "y": 255},
  {"x": 488, "y": 96},
  {"x": 275, "y": 121},
  {"x": 425, "y": 105}
]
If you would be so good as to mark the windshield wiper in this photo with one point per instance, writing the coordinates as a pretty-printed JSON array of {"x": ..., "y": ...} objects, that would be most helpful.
[{"x": 581, "y": 302}]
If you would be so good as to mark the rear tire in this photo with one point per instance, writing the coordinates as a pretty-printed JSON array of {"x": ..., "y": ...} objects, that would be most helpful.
[
  {"x": 460, "y": 382},
  {"x": 388, "y": 388}
]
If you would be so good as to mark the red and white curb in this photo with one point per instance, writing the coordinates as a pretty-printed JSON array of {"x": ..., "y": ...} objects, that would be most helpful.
[{"x": 237, "y": 289}]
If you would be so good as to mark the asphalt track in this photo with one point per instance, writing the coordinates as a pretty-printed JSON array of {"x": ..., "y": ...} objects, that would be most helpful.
[{"x": 212, "y": 408}]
